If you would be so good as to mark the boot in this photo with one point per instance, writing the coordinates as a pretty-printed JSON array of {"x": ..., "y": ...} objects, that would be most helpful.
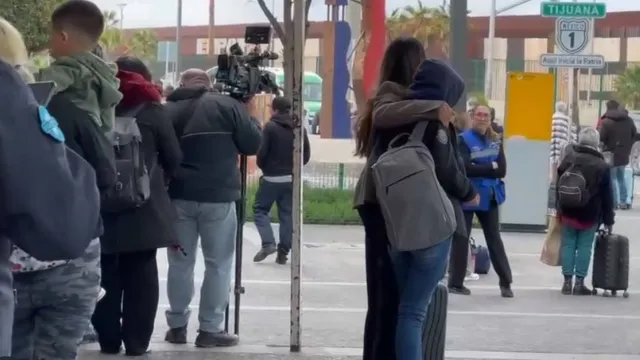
[
  {"x": 579, "y": 288},
  {"x": 568, "y": 284}
]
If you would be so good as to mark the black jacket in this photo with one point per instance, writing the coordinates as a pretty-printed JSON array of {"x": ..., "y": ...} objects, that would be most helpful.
[
  {"x": 151, "y": 225},
  {"x": 84, "y": 136},
  {"x": 596, "y": 171},
  {"x": 617, "y": 135},
  {"x": 213, "y": 129},
  {"x": 275, "y": 157}
]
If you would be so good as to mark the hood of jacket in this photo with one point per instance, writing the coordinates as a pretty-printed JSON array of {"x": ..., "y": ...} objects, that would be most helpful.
[
  {"x": 186, "y": 93},
  {"x": 84, "y": 73},
  {"x": 616, "y": 115},
  {"x": 284, "y": 120},
  {"x": 391, "y": 107},
  {"x": 136, "y": 90},
  {"x": 437, "y": 80}
]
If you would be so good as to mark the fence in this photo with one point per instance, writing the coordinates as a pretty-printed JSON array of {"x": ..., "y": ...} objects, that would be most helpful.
[
  {"x": 328, "y": 193},
  {"x": 594, "y": 88}
]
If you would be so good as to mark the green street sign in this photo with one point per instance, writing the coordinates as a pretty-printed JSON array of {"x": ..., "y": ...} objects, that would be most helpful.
[{"x": 573, "y": 10}]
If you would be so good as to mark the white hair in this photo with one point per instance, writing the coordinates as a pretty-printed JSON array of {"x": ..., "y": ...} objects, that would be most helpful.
[
  {"x": 589, "y": 137},
  {"x": 561, "y": 107},
  {"x": 13, "y": 51}
]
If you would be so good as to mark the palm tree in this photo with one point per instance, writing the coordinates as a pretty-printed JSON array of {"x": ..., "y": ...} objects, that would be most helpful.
[
  {"x": 427, "y": 24},
  {"x": 111, "y": 19},
  {"x": 112, "y": 40},
  {"x": 627, "y": 87},
  {"x": 143, "y": 44}
]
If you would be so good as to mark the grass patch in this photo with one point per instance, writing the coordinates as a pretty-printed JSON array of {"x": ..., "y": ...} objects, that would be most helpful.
[{"x": 321, "y": 206}]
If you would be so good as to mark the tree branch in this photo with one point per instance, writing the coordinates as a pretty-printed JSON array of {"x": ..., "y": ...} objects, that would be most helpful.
[{"x": 274, "y": 22}]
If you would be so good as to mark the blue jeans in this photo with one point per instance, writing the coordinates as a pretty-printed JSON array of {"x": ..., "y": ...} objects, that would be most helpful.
[
  {"x": 216, "y": 225},
  {"x": 281, "y": 194},
  {"x": 418, "y": 274},
  {"x": 575, "y": 253},
  {"x": 618, "y": 185}
]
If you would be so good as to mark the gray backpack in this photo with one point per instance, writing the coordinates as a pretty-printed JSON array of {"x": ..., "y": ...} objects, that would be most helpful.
[{"x": 417, "y": 212}]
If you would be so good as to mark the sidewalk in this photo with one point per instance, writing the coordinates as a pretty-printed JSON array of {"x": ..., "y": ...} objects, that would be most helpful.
[{"x": 539, "y": 323}]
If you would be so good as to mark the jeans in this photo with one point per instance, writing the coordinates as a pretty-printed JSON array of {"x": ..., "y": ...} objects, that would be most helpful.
[
  {"x": 618, "y": 186},
  {"x": 281, "y": 194},
  {"x": 418, "y": 273},
  {"x": 576, "y": 250},
  {"x": 54, "y": 307},
  {"x": 382, "y": 291},
  {"x": 216, "y": 225}
]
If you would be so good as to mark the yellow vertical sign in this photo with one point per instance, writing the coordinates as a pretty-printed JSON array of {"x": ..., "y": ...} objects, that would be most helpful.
[{"x": 530, "y": 103}]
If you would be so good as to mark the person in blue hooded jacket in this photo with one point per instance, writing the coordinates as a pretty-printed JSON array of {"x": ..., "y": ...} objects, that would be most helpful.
[
  {"x": 435, "y": 88},
  {"x": 483, "y": 153}
]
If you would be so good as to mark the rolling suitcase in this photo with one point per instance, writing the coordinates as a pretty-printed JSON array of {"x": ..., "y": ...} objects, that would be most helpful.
[
  {"x": 434, "y": 332},
  {"x": 611, "y": 264}
]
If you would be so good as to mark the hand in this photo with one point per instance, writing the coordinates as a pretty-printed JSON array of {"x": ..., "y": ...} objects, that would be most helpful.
[
  {"x": 445, "y": 114},
  {"x": 475, "y": 201}
]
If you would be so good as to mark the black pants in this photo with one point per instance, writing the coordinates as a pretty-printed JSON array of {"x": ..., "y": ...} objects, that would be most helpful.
[
  {"x": 458, "y": 259},
  {"x": 127, "y": 312},
  {"x": 490, "y": 223},
  {"x": 382, "y": 292}
]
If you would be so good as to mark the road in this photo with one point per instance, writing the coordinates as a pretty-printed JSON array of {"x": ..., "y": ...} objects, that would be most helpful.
[{"x": 539, "y": 323}]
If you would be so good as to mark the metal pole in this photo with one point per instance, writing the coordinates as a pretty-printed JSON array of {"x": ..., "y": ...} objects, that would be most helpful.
[
  {"x": 591, "y": 49},
  {"x": 178, "y": 42},
  {"x": 272, "y": 45},
  {"x": 571, "y": 89},
  {"x": 212, "y": 24},
  {"x": 459, "y": 39},
  {"x": 488, "y": 76},
  {"x": 298, "y": 35}
]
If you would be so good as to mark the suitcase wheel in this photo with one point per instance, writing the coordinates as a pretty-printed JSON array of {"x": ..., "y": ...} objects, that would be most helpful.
[
  {"x": 614, "y": 293},
  {"x": 625, "y": 294},
  {"x": 606, "y": 293},
  {"x": 594, "y": 291}
]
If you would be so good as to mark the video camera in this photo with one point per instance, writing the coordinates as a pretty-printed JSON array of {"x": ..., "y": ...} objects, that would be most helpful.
[{"x": 239, "y": 75}]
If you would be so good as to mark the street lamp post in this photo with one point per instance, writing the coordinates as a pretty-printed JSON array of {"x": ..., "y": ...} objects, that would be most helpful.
[
  {"x": 178, "y": 41},
  {"x": 121, "y": 6}
]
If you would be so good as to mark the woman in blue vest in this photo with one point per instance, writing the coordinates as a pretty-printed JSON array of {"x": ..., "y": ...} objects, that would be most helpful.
[{"x": 483, "y": 155}]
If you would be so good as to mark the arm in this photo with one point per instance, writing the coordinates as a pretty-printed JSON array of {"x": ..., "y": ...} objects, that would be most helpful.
[
  {"x": 263, "y": 152},
  {"x": 390, "y": 113},
  {"x": 482, "y": 170},
  {"x": 606, "y": 194},
  {"x": 169, "y": 152},
  {"x": 307, "y": 149},
  {"x": 450, "y": 176},
  {"x": 604, "y": 133},
  {"x": 246, "y": 134}
]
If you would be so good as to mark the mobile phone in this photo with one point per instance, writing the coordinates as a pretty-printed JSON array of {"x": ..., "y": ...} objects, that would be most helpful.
[{"x": 43, "y": 91}]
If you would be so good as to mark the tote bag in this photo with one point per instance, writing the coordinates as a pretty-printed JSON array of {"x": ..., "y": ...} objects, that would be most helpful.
[{"x": 550, "y": 254}]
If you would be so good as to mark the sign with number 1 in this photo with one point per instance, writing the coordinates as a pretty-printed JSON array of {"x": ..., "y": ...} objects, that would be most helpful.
[{"x": 573, "y": 34}]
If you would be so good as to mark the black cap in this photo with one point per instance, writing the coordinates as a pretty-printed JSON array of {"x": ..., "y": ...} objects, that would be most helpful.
[{"x": 281, "y": 104}]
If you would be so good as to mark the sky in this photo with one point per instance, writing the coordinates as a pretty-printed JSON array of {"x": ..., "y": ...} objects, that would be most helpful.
[{"x": 155, "y": 13}]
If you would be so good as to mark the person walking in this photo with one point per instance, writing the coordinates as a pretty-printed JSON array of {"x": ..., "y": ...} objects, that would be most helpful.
[
  {"x": 618, "y": 133},
  {"x": 583, "y": 168},
  {"x": 127, "y": 313},
  {"x": 275, "y": 159},
  {"x": 483, "y": 154}
]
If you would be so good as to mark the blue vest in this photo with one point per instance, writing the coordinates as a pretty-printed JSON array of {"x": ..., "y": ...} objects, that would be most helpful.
[{"x": 484, "y": 152}]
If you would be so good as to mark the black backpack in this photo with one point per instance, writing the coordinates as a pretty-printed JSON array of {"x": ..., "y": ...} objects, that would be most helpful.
[
  {"x": 132, "y": 188},
  {"x": 573, "y": 188}
]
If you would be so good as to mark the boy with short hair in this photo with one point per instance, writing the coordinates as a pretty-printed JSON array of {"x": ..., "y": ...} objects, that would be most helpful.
[{"x": 87, "y": 80}]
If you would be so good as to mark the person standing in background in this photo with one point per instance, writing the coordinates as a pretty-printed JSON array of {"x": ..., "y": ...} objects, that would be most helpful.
[{"x": 563, "y": 132}]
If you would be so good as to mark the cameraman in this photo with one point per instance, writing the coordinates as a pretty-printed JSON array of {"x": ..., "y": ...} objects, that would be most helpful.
[{"x": 213, "y": 130}]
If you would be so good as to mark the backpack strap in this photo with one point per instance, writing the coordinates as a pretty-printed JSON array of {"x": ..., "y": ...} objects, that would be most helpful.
[{"x": 418, "y": 131}]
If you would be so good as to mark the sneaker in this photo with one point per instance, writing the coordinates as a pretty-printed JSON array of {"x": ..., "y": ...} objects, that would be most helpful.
[
  {"x": 506, "y": 292},
  {"x": 281, "y": 259},
  {"x": 460, "y": 290},
  {"x": 264, "y": 253},
  {"x": 567, "y": 285},
  {"x": 472, "y": 277},
  {"x": 206, "y": 339},
  {"x": 176, "y": 335}
]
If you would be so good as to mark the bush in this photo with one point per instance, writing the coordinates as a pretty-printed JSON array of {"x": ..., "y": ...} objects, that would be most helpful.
[{"x": 321, "y": 206}]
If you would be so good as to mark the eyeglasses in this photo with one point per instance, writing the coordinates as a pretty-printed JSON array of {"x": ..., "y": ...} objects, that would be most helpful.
[{"x": 482, "y": 115}]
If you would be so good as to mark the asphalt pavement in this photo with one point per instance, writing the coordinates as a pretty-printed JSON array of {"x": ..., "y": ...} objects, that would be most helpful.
[{"x": 539, "y": 323}]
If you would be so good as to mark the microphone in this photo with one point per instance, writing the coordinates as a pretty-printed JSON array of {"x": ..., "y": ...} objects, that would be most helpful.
[{"x": 223, "y": 62}]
